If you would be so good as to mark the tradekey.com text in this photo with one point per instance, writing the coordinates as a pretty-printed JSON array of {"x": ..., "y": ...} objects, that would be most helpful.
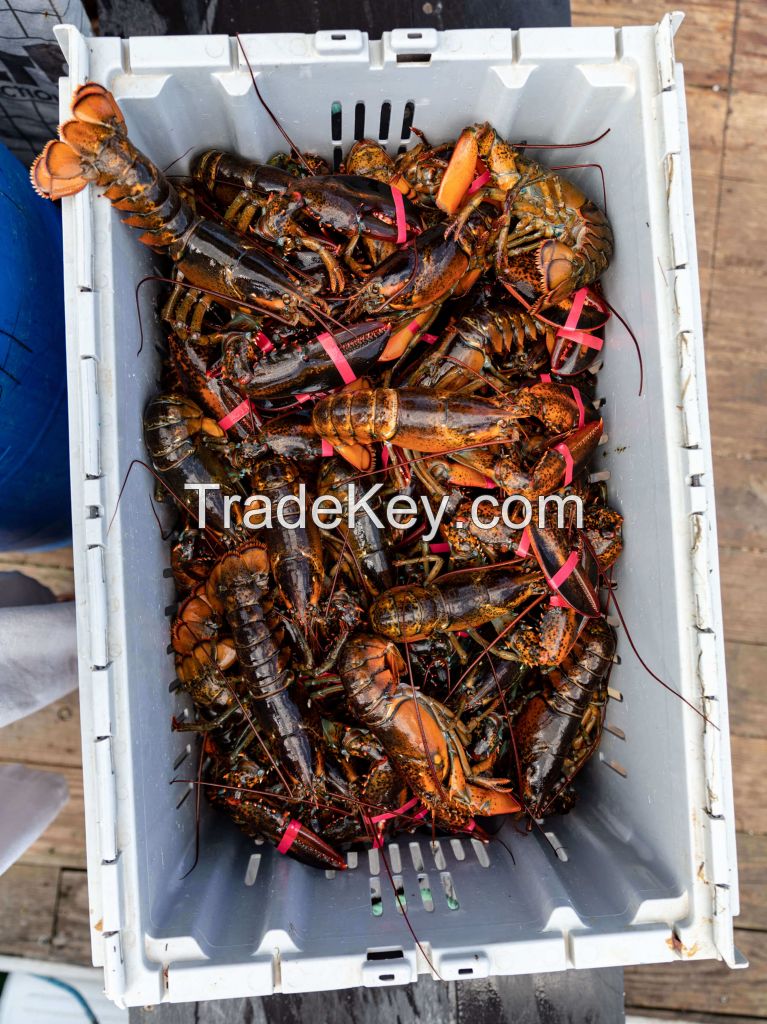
[{"x": 401, "y": 511}]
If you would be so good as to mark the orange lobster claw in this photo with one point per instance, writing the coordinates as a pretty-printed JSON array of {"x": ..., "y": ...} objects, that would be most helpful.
[
  {"x": 459, "y": 174},
  {"x": 400, "y": 339},
  {"x": 486, "y": 802}
]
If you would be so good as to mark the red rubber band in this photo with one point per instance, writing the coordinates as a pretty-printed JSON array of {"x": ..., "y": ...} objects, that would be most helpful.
[
  {"x": 567, "y": 569},
  {"x": 314, "y": 396},
  {"x": 545, "y": 378},
  {"x": 395, "y": 814},
  {"x": 477, "y": 184},
  {"x": 237, "y": 414},
  {"x": 470, "y": 825},
  {"x": 564, "y": 451},
  {"x": 582, "y": 338},
  {"x": 399, "y": 213},
  {"x": 439, "y": 549},
  {"x": 579, "y": 403},
  {"x": 557, "y": 601},
  {"x": 569, "y": 330},
  {"x": 328, "y": 342},
  {"x": 327, "y": 449},
  {"x": 414, "y": 327},
  {"x": 289, "y": 836},
  {"x": 264, "y": 343},
  {"x": 384, "y": 457},
  {"x": 523, "y": 548}
]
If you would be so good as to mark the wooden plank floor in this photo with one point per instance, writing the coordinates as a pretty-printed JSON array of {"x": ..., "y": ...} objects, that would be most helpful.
[{"x": 723, "y": 44}]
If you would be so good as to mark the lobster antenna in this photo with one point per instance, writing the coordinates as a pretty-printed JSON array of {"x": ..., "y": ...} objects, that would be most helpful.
[
  {"x": 278, "y": 797},
  {"x": 648, "y": 670},
  {"x": 202, "y": 291},
  {"x": 165, "y": 171},
  {"x": 163, "y": 483},
  {"x": 294, "y": 148},
  {"x": 561, "y": 145},
  {"x": 197, "y": 810},
  {"x": 492, "y": 643},
  {"x": 417, "y": 941},
  {"x": 163, "y": 534},
  {"x": 575, "y": 167},
  {"x": 633, "y": 337},
  {"x": 431, "y": 455}
]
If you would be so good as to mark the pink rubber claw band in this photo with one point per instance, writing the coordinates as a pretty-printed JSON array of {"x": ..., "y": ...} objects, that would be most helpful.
[
  {"x": 327, "y": 449},
  {"x": 477, "y": 184},
  {"x": 569, "y": 332},
  {"x": 264, "y": 343},
  {"x": 384, "y": 457},
  {"x": 557, "y": 601},
  {"x": 399, "y": 213},
  {"x": 289, "y": 836},
  {"x": 579, "y": 301},
  {"x": 523, "y": 548},
  {"x": 386, "y": 815},
  {"x": 564, "y": 451},
  {"x": 545, "y": 378},
  {"x": 313, "y": 396},
  {"x": 237, "y": 414},
  {"x": 439, "y": 549},
  {"x": 414, "y": 327},
  {"x": 471, "y": 825},
  {"x": 328, "y": 342},
  {"x": 582, "y": 338},
  {"x": 562, "y": 574},
  {"x": 579, "y": 403},
  {"x": 421, "y": 814}
]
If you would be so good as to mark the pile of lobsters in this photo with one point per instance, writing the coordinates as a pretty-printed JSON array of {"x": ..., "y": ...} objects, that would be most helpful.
[{"x": 376, "y": 424}]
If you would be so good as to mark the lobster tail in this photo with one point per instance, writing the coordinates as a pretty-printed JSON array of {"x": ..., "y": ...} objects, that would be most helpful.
[
  {"x": 94, "y": 104},
  {"x": 62, "y": 169},
  {"x": 57, "y": 172}
]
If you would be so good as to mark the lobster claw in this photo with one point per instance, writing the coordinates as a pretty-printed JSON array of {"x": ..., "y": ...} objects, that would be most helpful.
[
  {"x": 552, "y": 550},
  {"x": 307, "y": 847},
  {"x": 459, "y": 174},
  {"x": 486, "y": 801}
]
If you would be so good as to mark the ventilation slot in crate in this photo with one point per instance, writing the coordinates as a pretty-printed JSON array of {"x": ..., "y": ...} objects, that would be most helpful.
[
  {"x": 384, "y": 122},
  {"x": 251, "y": 872},
  {"x": 407, "y": 123}
]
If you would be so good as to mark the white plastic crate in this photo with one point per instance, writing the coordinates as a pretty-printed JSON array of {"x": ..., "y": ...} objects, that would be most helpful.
[{"x": 646, "y": 868}]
